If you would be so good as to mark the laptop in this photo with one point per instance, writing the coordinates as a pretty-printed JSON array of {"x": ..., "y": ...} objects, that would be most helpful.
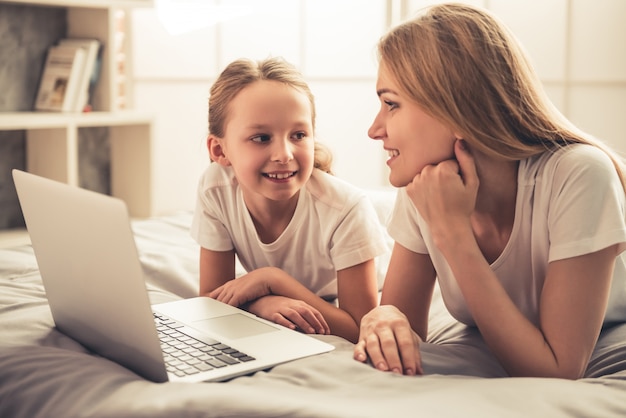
[{"x": 90, "y": 268}]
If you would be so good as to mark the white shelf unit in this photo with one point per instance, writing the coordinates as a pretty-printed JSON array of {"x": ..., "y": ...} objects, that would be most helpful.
[
  {"x": 52, "y": 138},
  {"x": 52, "y": 150}
]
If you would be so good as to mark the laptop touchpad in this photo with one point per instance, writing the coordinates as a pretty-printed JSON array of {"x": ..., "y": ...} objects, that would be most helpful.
[{"x": 234, "y": 326}]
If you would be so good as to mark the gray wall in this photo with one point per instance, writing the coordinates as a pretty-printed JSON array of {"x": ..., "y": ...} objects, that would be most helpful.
[{"x": 26, "y": 32}]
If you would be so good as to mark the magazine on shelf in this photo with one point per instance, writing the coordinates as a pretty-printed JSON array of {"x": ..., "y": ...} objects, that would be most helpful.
[
  {"x": 60, "y": 79},
  {"x": 90, "y": 72}
]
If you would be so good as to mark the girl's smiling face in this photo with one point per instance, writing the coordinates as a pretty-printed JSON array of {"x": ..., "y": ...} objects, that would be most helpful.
[
  {"x": 268, "y": 140},
  {"x": 412, "y": 137}
]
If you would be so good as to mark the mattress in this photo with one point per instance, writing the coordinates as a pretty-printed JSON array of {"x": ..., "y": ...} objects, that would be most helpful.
[{"x": 43, "y": 373}]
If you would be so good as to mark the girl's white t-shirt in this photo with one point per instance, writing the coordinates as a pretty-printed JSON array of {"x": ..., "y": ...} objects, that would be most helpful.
[
  {"x": 334, "y": 227},
  {"x": 569, "y": 203}
]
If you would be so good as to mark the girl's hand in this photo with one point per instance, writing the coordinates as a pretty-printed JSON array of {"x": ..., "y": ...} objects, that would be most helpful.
[
  {"x": 246, "y": 288},
  {"x": 290, "y": 313},
  {"x": 387, "y": 338},
  {"x": 445, "y": 194}
]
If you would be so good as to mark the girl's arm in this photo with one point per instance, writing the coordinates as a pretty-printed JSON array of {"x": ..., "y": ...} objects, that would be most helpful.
[
  {"x": 216, "y": 268},
  {"x": 390, "y": 334},
  {"x": 357, "y": 291}
]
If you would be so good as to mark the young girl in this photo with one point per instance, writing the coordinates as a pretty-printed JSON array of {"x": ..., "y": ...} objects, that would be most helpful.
[
  {"x": 304, "y": 236},
  {"x": 516, "y": 213}
]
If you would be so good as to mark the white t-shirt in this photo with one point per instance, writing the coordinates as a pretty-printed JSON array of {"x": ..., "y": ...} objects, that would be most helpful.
[
  {"x": 569, "y": 203},
  {"x": 334, "y": 227}
]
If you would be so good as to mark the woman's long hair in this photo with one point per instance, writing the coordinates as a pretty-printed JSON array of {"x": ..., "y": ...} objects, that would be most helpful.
[{"x": 464, "y": 67}]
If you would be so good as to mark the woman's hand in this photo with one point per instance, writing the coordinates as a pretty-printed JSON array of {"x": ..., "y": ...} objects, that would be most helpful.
[
  {"x": 445, "y": 194},
  {"x": 290, "y": 313},
  {"x": 387, "y": 338},
  {"x": 246, "y": 288}
]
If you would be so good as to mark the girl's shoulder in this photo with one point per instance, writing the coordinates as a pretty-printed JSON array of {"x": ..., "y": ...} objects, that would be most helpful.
[
  {"x": 217, "y": 176},
  {"x": 332, "y": 191}
]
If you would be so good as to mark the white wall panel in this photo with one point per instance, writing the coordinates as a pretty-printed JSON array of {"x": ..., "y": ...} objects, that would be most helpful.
[
  {"x": 345, "y": 112},
  {"x": 179, "y": 141},
  {"x": 268, "y": 28},
  {"x": 601, "y": 111},
  {"x": 414, "y": 5},
  {"x": 557, "y": 95},
  {"x": 157, "y": 53},
  {"x": 541, "y": 27},
  {"x": 341, "y": 36},
  {"x": 598, "y": 36}
]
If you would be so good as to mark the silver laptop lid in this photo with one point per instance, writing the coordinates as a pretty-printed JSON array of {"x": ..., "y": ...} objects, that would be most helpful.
[{"x": 91, "y": 272}]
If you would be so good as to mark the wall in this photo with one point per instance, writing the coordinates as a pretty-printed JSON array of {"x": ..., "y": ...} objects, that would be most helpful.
[
  {"x": 574, "y": 44},
  {"x": 332, "y": 42},
  {"x": 577, "y": 49},
  {"x": 26, "y": 32},
  {"x": 21, "y": 56}
]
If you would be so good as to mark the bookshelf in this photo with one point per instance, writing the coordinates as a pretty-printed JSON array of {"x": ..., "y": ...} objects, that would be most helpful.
[{"x": 52, "y": 138}]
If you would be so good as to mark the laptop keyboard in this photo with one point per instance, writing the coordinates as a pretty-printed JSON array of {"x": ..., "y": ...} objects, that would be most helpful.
[{"x": 187, "y": 352}]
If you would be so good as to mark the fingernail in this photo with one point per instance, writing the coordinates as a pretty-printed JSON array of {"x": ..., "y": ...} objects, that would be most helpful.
[
  {"x": 381, "y": 366},
  {"x": 409, "y": 372},
  {"x": 395, "y": 370}
]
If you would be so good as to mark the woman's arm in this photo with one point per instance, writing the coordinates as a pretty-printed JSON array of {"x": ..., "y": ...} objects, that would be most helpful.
[
  {"x": 573, "y": 300},
  {"x": 390, "y": 334},
  {"x": 357, "y": 294},
  {"x": 409, "y": 286},
  {"x": 572, "y": 307},
  {"x": 216, "y": 268}
]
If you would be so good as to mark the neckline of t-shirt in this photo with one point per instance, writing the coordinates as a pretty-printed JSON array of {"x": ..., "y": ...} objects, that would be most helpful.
[{"x": 292, "y": 226}]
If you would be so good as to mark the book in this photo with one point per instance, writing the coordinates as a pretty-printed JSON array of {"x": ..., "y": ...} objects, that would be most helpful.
[
  {"x": 60, "y": 79},
  {"x": 91, "y": 70}
]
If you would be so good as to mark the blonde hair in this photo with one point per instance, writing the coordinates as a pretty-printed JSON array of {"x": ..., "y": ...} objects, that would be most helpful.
[
  {"x": 464, "y": 67},
  {"x": 241, "y": 73}
]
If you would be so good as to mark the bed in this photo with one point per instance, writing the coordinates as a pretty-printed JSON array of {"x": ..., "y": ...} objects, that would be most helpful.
[{"x": 45, "y": 374}]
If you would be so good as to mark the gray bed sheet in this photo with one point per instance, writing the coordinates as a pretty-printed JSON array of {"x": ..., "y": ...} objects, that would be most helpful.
[{"x": 45, "y": 374}]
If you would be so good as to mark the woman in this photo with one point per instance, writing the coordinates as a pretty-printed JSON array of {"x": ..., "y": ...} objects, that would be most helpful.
[{"x": 518, "y": 215}]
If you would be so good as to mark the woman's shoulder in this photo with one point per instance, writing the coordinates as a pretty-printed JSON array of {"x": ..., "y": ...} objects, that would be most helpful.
[{"x": 569, "y": 159}]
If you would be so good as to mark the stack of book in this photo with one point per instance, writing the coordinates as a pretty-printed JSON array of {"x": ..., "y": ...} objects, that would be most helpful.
[{"x": 69, "y": 76}]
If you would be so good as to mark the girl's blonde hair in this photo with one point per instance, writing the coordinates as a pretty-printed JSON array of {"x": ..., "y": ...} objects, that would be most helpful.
[
  {"x": 241, "y": 73},
  {"x": 465, "y": 68}
]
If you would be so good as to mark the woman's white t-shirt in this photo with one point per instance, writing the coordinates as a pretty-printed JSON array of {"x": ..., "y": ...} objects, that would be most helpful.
[
  {"x": 334, "y": 227},
  {"x": 569, "y": 203}
]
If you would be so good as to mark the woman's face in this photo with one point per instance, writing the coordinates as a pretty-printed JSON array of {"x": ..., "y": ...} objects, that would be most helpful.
[{"x": 412, "y": 138}]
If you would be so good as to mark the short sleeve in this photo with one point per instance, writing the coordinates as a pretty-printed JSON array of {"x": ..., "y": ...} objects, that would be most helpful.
[
  {"x": 587, "y": 204},
  {"x": 358, "y": 237},
  {"x": 404, "y": 224},
  {"x": 208, "y": 223}
]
